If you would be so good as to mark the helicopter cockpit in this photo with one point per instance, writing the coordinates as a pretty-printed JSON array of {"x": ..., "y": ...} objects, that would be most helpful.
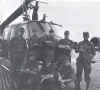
[{"x": 39, "y": 28}]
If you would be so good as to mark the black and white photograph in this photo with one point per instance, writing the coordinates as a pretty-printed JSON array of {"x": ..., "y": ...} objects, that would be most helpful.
[{"x": 49, "y": 45}]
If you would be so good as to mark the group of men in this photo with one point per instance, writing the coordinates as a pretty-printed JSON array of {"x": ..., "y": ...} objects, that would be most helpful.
[{"x": 47, "y": 55}]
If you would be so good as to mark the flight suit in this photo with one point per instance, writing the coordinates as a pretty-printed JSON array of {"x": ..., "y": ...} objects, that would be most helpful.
[
  {"x": 34, "y": 51},
  {"x": 35, "y": 13},
  {"x": 86, "y": 52},
  {"x": 63, "y": 51},
  {"x": 48, "y": 44},
  {"x": 17, "y": 50},
  {"x": 48, "y": 48}
]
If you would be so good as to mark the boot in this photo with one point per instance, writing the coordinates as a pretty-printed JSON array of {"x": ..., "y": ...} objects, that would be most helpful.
[
  {"x": 77, "y": 85},
  {"x": 87, "y": 85}
]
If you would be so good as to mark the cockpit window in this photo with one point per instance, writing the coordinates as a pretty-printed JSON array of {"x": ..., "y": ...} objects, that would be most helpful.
[{"x": 34, "y": 27}]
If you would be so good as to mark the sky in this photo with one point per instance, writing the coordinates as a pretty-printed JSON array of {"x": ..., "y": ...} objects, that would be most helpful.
[{"x": 75, "y": 15}]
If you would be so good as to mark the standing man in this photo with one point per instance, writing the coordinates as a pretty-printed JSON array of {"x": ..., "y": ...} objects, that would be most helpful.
[
  {"x": 17, "y": 49},
  {"x": 49, "y": 43},
  {"x": 65, "y": 47},
  {"x": 35, "y": 11},
  {"x": 34, "y": 50},
  {"x": 63, "y": 58},
  {"x": 86, "y": 53}
]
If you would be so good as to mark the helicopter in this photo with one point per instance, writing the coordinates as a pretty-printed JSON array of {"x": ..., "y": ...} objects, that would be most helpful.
[{"x": 30, "y": 23}]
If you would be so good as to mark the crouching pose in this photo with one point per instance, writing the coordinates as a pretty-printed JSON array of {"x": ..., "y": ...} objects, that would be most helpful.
[
  {"x": 49, "y": 79},
  {"x": 66, "y": 76}
]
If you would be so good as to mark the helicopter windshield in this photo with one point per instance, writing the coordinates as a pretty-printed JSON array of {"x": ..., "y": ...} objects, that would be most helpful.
[{"x": 32, "y": 27}]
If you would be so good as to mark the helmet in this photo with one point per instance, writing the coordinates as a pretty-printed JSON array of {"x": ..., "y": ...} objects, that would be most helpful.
[
  {"x": 85, "y": 33},
  {"x": 66, "y": 32},
  {"x": 51, "y": 31}
]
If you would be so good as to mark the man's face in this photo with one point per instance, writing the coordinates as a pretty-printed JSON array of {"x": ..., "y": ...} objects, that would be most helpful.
[
  {"x": 52, "y": 34},
  {"x": 20, "y": 33},
  {"x": 67, "y": 35},
  {"x": 86, "y": 37}
]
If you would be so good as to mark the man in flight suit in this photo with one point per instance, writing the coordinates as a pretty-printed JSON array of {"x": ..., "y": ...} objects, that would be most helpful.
[
  {"x": 35, "y": 11},
  {"x": 34, "y": 50},
  {"x": 86, "y": 53},
  {"x": 49, "y": 43},
  {"x": 17, "y": 49},
  {"x": 65, "y": 47}
]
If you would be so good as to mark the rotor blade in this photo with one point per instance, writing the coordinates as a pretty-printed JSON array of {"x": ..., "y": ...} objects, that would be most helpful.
[
  {"x": 14, "y": 15},
  {"x": 43, "y": 2}
]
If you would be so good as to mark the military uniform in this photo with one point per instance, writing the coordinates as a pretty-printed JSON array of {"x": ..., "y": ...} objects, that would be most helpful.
[
  {"x": 48, "y": 48},
  {"x": 34, "y": 51},
  {"x": 49, "y": 81},
  {"x": 17, "y": 51},
  {"x": 63, "y": 51},
  {"x": 86, "y": 53}
]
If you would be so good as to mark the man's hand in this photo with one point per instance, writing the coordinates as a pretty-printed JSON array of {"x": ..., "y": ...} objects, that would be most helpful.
[
  {"x": 61, "y": 46},
  {"x": 48, "y": 42},
  {"x": 64, "y": 46},
  {"x": 93, "y": 62}
]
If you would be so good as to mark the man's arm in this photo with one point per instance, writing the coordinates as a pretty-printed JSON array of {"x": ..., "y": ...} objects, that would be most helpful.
[{"x": 93, "y": 49}]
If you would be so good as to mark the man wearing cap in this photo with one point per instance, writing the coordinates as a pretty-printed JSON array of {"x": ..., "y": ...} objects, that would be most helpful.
[
  {"x": 86, "y": 52},
  {"x": 17, "y": 50}
]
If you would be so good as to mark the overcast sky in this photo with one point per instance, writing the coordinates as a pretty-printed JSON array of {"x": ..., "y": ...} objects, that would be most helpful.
[{"x": 75, "y": 15}]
